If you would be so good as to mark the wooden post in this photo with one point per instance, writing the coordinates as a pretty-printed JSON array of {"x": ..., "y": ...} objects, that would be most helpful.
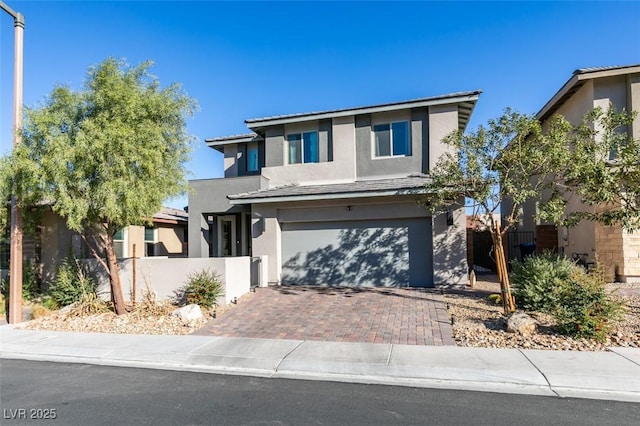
[
  {"x": 503, "y": 272},
  {"x": 133, "y": 295}
]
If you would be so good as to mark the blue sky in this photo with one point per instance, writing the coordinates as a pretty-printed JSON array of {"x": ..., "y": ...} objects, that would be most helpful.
[{"x": 246, "y": 60}]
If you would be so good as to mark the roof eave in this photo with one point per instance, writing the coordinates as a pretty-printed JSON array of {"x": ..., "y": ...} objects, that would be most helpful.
[
  {"x": 465, "y": 97},
  {"x": 576, "y": 81},
  {"x": 219, "y": 143},
  {"x": 331, "y": 196}
]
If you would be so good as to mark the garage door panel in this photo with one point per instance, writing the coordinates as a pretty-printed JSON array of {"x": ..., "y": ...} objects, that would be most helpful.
[{"x": 357, "y": 253}]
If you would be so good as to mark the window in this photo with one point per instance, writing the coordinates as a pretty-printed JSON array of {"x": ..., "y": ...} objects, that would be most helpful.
[
  {"x": 149, "y": 241},
  {"x": 391, "y": 139},
  {"x": 120, "y": 243},
  {"x": 252, "y": 157},
  {"x": 303, "y": 147}
]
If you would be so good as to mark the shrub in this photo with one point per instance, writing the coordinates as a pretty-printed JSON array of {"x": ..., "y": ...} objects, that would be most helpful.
[
  {"x": 30, "y": 286},
  {"x": 583, "y": 307},
  {"x": 49, "y": 303},
  {"x": 71, "y": 284},
  {"x": 89, "y": 304},
  {"x": 495, "y": 298},
  {"x": 39, "y": 311},
  {"x": 203, "y": 288},
  {"x": 30, "y": 282},
  {"x": 536, "y": 280}
]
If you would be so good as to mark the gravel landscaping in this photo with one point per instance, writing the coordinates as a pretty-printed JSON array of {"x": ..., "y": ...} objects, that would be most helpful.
[
  {"x": 478, "y": 322},
  {"x": 140, "y": 320}
]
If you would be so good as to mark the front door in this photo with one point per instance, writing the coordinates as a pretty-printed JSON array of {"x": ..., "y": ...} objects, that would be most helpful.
[{"x": 226, "y": 236}]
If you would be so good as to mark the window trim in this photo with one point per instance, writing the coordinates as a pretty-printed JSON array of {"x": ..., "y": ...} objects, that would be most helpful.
[
  {"x": 249, "y": 147},
  {"x": 232, "y": 242},
  {"x": 301, "y": 133},
  {"x": 154, "y": 241},
  {"x": 390, "y": 123},
  {"x": 124, "y": 241}
]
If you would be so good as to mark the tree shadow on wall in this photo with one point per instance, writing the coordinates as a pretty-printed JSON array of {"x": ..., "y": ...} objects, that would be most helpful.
[
  {"x": 367, "y": 257},
  {"x": 449, "y": 260}
]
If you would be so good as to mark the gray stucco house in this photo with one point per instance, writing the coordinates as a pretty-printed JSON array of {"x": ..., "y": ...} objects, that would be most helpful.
[{"x": 329, "y": 197}]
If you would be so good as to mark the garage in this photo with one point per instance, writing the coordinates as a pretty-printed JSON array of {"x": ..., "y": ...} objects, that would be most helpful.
[{"x": 381, "y": 253}]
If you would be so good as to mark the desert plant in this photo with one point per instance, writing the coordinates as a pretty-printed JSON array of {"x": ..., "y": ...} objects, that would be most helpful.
[
  {"x": 583, "y": 306},
  {"x": 495, "y": 298},
  {"x": 39, "y": 311},
  {"x": 150, "y": 305},
  {"x": 536, "y": 280},
  {"x": 49, "y": 302},
  {"x": 71, "y": 283},
  {"x": 88, "y": 304},
  {"x": 30, "y": 282},
  {"x": 202, "y": 288}
]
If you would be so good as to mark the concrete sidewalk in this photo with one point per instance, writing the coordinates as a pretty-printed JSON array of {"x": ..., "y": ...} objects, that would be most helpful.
[{"x": 613, "y": 375}]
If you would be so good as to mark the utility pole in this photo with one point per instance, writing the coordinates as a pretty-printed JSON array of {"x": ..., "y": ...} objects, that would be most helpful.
[{"x": 15, "y": 263}]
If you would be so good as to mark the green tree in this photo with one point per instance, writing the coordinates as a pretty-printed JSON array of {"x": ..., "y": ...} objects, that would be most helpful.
[
  {"x": 106, "y": 156},
  {"x": 498, "y": 165},
  {"x": 603, "y": 173}
]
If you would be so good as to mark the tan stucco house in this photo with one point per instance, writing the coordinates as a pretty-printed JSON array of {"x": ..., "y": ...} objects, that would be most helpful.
[
  {"x": 618, "y": 251},
  {"x": 329, "y": 198},
  {"x": 53, "y": 241}
]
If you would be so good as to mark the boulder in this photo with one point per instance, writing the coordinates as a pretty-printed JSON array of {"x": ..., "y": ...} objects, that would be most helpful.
[
  {"x": 188, "y": 313},
  {"x": 521, "y": 323}
]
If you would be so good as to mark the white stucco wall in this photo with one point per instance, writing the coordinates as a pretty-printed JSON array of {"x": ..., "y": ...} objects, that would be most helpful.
[{"x": 164, "y": 276}]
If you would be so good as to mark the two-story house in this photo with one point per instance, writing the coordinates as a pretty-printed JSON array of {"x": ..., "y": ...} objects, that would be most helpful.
[
  {"x": 618, "y": 251},
  {"x": 331, "y": 197}
]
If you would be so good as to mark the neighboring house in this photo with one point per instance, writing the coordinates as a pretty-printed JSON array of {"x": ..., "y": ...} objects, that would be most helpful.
[
  {"x": 617, "y": 250},
  {"x": 53, "y": 241},
  {"x": 330, "y": 197}
]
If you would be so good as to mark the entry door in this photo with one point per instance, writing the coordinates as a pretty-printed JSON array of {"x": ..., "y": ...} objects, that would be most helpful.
[{"x": 226, "y": 236}]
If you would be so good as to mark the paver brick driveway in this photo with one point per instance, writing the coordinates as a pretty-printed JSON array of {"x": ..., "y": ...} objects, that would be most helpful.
[{"x": 368, "y": 315}]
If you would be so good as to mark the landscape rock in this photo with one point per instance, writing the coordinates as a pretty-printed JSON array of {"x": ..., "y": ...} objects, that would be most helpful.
[
  {"x": 521, "y": 323},
  {"x": 480, "y": 323},
  {"x": 188, "y": 313}
]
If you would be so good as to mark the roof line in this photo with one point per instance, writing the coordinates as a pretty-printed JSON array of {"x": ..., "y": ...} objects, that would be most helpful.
[
  {"x": 281, "y": 119},
  {"x": 231, "y": 137},
  {"x": 332, "y": 196},
  {"x": 576, "y": 80}
]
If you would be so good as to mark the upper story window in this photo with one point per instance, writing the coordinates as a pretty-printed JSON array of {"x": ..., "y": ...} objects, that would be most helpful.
[
  {"x": 303, "y": 147},
  {"x": 252, "y": 157},
  {"x": 391, "y": 139}
]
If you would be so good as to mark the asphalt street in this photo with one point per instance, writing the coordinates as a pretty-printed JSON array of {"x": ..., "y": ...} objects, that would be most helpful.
[{"x": 77, "y": 394}]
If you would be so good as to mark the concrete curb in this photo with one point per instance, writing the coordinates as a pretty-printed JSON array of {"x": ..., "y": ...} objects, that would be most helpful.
[{"x": 613, "y": 375}]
